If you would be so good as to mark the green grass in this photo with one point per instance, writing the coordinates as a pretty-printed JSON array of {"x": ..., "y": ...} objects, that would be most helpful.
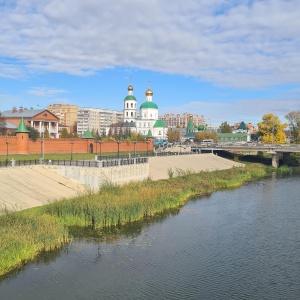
[{"x": 26, "y": 233}]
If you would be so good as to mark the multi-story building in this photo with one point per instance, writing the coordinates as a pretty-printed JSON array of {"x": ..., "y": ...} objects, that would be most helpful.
[
  {"x": 96, "y": 119},
  {"x": 182, "y": 120},
  {"x": 66, "y": 113}
]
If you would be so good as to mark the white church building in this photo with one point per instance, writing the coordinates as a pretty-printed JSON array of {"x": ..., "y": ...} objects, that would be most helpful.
[{"x": 146, "y": 120}]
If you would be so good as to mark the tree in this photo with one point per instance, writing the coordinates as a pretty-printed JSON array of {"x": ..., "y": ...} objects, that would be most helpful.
[
  {"x": 173, "y": 135},
  {"x": 2, "y": 124},
  {"x": 271, "y": 130},
  {"x": 33, "y": 133},
  {"x": 294, "y": 123},
  {"x": 46, "y": 134},
  {"x": 64, "y": 133},
  {"x": 225, "y": 128},
  {"x": 205, "y": 135}
]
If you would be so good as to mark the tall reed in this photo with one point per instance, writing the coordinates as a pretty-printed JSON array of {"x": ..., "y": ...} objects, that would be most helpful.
[{"x": 24, "y": 234}]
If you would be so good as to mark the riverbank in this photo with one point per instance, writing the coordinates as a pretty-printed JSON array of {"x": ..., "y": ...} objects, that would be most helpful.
[
  {"x": 30, "y": 186},
  {"x": 24, "y": 234}
]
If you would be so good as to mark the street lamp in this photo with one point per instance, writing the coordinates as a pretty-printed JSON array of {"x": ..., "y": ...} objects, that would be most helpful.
[
  {"x": 119, "y": 142},
  {"x": 134, "y": 144},
  {"x": 7, "y": 142},
  {"x": 147, "y": 141},
  {"x": 100, "y": 142},
  {"x": 71, "y": 142}
]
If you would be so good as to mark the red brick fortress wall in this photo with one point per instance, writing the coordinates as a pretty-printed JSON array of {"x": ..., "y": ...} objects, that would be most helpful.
[{"x": 21, "y": 144}]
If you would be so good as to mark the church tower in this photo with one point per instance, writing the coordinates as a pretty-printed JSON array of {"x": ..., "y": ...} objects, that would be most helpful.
[{"x": 129, "y": 112}]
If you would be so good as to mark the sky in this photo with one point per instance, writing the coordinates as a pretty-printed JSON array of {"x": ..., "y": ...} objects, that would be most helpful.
[{"x": 228, "y": 60}]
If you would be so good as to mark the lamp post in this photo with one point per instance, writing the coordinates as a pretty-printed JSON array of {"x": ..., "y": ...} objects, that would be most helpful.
[
  {"x": 7, "y": 142},
  {"x": 147, "y": 141},
  {"x": 119, "y": 142},
  {"x": 100, "y": 143},
  {"x": 96, "y": 142},
  {"x": 273, "y": 135},
  {"x": 71, "y": 142},
  {"x": 134, "y": 145}
]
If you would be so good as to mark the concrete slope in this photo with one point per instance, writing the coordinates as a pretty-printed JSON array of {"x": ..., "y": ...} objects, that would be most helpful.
[
  {"x": 159, "y": 166},
  {"x": 30, "y": 186}
]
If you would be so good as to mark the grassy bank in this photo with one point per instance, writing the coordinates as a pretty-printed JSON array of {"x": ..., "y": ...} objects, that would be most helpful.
[{"x": 24, "y": 234}]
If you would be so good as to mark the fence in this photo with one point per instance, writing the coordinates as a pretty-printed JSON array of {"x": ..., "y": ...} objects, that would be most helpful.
[{"x": 106, "y": 161}]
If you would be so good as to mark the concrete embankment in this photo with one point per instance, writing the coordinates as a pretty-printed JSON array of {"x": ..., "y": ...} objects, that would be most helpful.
[{"x": 30, "y": 186}]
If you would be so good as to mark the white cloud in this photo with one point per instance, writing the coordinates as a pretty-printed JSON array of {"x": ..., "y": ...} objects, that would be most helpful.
[
  {"x": 223, "y": 41},
  {"x": 252, "y": 111},
  {"x": 45, "y": 92}
]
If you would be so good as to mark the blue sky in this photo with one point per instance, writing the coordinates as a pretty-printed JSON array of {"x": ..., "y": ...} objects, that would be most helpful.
[{"x": 227, "y": 60}]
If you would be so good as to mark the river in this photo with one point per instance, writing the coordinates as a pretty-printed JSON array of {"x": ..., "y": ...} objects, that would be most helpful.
[{"x": 235, "y": 244}]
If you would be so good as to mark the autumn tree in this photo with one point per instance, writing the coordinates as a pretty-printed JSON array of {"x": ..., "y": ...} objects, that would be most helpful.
[
  {"x": 293, "y": 118},
  {"x": 225, "y": 128},
  {"x": 271, "y": 130},
  {"x": 173, "y": 135},
  {"x": 205, "y": 135}
]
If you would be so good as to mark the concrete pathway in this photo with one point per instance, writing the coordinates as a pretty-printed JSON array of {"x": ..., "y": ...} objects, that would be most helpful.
[
  {"x": 30, "y": 186},
  {"x": 159, "y": 166}
]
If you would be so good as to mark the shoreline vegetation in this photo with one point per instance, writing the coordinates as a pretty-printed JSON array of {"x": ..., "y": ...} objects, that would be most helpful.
[{"x": 26, "y": 234}]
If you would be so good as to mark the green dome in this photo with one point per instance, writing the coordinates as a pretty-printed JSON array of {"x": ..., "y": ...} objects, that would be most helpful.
[
  {"x": 148, "y": 105},
  {"x": 130, "y": 97},
  {"x": 200, "y": 127},
  {"x": 159, "y": 123}
]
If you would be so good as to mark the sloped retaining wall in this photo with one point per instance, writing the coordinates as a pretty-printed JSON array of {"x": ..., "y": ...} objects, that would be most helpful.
[{"x": 95, "y": 177}]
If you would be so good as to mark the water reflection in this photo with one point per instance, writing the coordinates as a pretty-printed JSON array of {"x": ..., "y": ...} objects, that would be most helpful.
[{"x": 235, "y": 244}]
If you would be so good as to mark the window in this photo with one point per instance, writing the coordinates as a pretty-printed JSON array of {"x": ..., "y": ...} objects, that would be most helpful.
[
  {"x": 132, "y": 114},
  {"x": 131, "y": 105},
  {"x": 127, "y": 105}
]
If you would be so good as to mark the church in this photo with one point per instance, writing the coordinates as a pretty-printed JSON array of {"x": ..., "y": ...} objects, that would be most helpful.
[{"x": 145, "y": 121}]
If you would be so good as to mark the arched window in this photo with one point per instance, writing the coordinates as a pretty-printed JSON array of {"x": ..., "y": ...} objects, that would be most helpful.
[
  {"x": 131, "y": 105},
  {"x": 132, "y": 114}
]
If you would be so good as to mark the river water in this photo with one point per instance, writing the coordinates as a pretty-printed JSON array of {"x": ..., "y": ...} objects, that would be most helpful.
[{"x": 234, "y": 244}]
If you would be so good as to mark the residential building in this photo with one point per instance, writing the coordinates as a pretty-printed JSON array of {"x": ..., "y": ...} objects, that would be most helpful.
[
  {"x": 182, "y": 120},
  {"x": 39, "y": 119},
  {"x": 67, "y": 115},
  {"x": 96, "y": 119}
]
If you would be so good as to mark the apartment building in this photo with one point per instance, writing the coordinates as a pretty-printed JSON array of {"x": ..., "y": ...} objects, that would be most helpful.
[
  {"x": 97, "y": 119},
  {"x": 66, "y": 113},
  {"x": 182, "y": 120}
]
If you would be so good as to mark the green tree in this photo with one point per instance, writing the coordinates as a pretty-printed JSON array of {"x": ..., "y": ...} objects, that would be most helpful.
[
  {"x": 2, "y": 124},
  {"x": 225, "y": 128},
  {"x": 64, "y": 134},
  {"x": 33, "y": 133},
  {"x": 271, "y": 130},
  {"x": 46, "y": 134},
  {"x": 293, "y": 118},
  {"x": 205, "y": 135},
  {"x": 173, "y": 135}
]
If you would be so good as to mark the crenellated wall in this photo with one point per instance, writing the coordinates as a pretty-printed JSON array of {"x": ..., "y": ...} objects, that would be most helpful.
[{"x": 21, "y": 144}]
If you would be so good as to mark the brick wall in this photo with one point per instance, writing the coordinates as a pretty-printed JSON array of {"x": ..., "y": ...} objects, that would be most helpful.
[{"x": 20, "y": 144}]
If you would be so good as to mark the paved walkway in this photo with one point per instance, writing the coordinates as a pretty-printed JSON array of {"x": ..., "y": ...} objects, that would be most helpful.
[
  {"x": 25, "y": 187},
  {"x": 160, "y": 166}
]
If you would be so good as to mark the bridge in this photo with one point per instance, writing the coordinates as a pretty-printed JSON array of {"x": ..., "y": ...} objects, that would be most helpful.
[{"x": 273, "y": 149}]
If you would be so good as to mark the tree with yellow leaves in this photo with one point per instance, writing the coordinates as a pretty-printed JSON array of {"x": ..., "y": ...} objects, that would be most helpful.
[{"x": 271, "y": 130}]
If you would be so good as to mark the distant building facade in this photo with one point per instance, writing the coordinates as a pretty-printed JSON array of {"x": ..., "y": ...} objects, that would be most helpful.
[
  {"x": 67, "y": 115},
  {"x": 96, "y": 119},
  {"x": 182, "y": 120}
]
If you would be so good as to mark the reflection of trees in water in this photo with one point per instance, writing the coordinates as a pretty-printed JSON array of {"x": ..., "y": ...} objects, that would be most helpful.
[
  {"x": 115, "y": 233},
  {"x": 95, "y": 236}
]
